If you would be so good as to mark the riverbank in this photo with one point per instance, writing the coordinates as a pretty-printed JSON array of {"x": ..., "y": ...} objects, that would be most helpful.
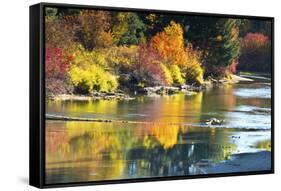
[
  {"x": 188, "y": 90},
  {"x": 243, "y": 162},
  {"x": 232, "y": 79},
  {"x": 94, "y": 96}
]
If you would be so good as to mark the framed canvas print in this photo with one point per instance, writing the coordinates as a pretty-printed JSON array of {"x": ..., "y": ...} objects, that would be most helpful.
[{"x": 125, "y": 95}]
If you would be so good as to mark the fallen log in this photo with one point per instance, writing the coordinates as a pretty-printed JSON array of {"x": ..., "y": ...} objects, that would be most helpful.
[{"x": 68, "y": 118}]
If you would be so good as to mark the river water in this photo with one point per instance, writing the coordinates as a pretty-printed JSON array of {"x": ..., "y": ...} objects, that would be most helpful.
[{"x": 169, "y": 136}]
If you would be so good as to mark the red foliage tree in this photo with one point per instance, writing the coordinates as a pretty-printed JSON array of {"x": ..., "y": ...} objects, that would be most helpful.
[
  {"x": 56, "y": 66},
  {"x": 57, "y": 63},
  {"x": 148, "y": 67},
  {"x": 255, "y": 53}
]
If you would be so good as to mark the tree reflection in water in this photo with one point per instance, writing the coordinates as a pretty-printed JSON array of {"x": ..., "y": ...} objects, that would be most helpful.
[
  {"x": 103, "y": 151},
  {"x": 166, "y": 146}
]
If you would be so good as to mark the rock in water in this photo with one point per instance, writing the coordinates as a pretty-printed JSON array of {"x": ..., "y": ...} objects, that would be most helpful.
[{"x": 214, "y": 121}]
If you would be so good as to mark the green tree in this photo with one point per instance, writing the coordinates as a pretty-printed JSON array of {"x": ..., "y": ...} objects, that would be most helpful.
[
  {"x": 135, "y": 31},
  {"x": 225, "y": 43},
  {"x": 220, "y": 45},
  {"x": 119, "y": 25}
]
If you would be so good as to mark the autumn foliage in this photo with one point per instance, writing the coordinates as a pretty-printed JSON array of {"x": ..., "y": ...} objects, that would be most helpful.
[
  {"x": 148, "y": 67},
  {"x": 256, "y": 53},
  {"x": 254, "y": 40},
  {"x": 94, "y": 31},
  {"x": 170, "y": 44},
  {"x": 90, "y": 51},
  {"x": 88, "y": 74},
  {"x": 57, "y": 62}
]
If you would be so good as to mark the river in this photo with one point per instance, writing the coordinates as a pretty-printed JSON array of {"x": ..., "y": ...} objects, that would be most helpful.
[{"x": 172, "y": 138}]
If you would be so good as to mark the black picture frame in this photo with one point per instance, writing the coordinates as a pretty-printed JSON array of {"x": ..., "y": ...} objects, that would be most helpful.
[{"x": 37, "y": 96}]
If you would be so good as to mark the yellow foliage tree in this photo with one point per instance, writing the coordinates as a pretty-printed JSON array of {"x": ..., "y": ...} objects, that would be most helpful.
[{"x": 183, "y": 61}]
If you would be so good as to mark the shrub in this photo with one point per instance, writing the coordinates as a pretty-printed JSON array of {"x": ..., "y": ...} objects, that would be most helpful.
[
  {"x": 193, "y": 70},
  {"x": 57, "y": 64},
  {"x": 83, "y": 56},
  {"x": 177, "y": 75},
  {"x": 120, "y": 57},
  {"x": 254, "y": 40},
  {"x": 194, "y": 74},
  {"x": 255, "y": 53},
  {"x": 147, "y": 69},
  {"x": 92, "y": 78},
  {"x": 167, "y": 74},
  {"x": 87, "y": 72}
]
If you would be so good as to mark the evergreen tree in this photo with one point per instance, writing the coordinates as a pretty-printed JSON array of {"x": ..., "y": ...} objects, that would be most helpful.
[
  {"x": 135, "y": 31},
  {"x": 225, "y": 43},
  {"x": 219, "y": 40}
]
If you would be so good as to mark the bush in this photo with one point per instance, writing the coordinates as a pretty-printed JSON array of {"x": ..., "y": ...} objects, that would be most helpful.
[
  {"x": 147, "y": 70},
  {"x": 92, "y": 78},
  {"x": 255, "y": 53},
  {"x": 84, "y": 57},
  {"x": 120, "y": 57},
  {"x": 254, "y": 40},
  {"x": 177, "y": 75},
  {"x": 194, "y": 74},
  {"x": 167, "y": 74},
  {"x": 193, "y": 70},
  {"x": 87, "y": 73},
  {"x": 57, "y": 64}
]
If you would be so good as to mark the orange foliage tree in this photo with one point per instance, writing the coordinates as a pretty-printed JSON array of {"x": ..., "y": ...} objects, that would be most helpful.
[
  {"x": 170, "y": 44},
  {"x": 95, "y": 29}
]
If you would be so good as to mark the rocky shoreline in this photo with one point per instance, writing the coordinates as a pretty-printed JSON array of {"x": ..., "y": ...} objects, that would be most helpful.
[
  {"x": 188, "y": 90},
  {"x": 94, "y": 96}
]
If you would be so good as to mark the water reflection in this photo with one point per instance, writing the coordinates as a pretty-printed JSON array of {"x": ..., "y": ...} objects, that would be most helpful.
[
  {"x": 96, "y": 151},
  {"x": 175, "y": 108},
  {"x": 174, "y": 142}
]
